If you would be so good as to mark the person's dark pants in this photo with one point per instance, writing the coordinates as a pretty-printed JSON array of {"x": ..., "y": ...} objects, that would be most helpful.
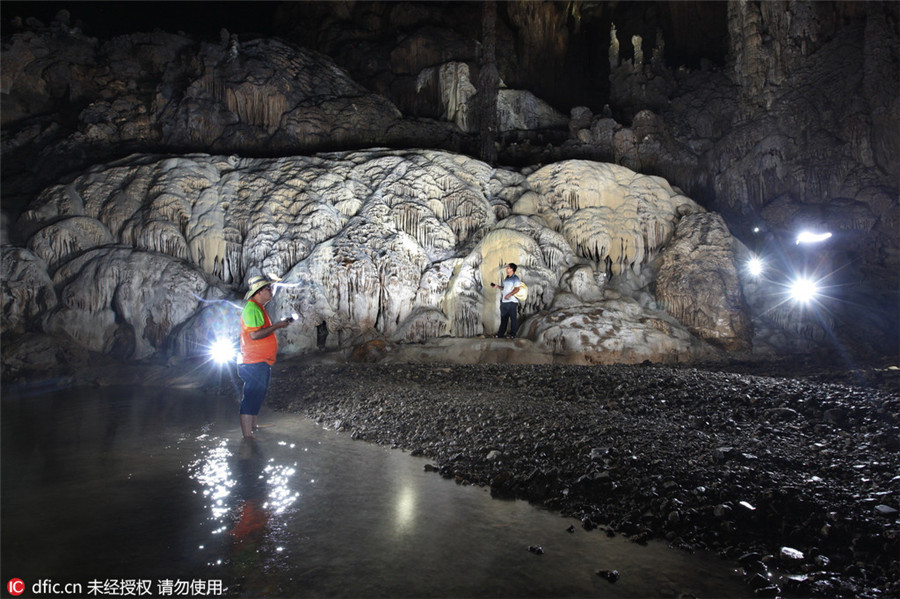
[
  {"x": 256, "y": 383},
  {"x": 508, "y": 314},
  {"x": 321, "y": 334}
]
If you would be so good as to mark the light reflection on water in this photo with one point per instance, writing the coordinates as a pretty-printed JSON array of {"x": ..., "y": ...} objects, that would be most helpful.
[
  {"x": 214, "y": 475},
  {"x": 141, "y": 484}
]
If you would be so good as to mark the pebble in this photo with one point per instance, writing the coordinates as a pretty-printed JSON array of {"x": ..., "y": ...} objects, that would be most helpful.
[
  {"x": 610, "y": 575},
  {"x": 789, "y": 555}
]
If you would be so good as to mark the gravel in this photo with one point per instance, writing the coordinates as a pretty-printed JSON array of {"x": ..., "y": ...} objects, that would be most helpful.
[{"x": 792, "y": 470}]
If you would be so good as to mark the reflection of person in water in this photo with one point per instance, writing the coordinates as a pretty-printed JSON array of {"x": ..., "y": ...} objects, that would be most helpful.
[{"x": 252, "y": 515}]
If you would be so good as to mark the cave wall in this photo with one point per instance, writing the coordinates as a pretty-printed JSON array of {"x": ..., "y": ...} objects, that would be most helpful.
[
  {"x": 776, "y": 115},
  {"x": 140, "y": 257}
]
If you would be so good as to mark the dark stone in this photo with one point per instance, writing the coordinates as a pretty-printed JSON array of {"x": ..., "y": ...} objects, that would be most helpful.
[{"x": 610, "y": 575}]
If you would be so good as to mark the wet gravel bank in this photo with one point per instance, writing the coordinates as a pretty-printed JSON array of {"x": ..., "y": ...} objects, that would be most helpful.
[{"x": 794, "y": 475}]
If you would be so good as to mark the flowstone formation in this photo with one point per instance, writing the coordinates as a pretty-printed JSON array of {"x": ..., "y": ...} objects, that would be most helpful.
[
  {"x": 778, "y": 116},
  {"x": 149, "y": 254},
  {"x": 709, "y": 300}
]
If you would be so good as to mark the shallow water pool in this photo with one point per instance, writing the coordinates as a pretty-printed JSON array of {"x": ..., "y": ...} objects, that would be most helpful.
[{"x": 133, "y": 491}]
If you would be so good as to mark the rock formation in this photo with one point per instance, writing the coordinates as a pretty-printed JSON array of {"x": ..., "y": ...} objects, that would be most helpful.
[
  {"x": 204, "y": 161},
  {"x": 138, "y": 256},
  {"x": 699, "y": 285}
]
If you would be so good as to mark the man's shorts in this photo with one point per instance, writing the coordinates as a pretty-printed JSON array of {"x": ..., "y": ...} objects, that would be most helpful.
[{"x": 256, "y": 383}]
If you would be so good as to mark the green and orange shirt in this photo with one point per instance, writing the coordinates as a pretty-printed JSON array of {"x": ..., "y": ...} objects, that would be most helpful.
[{"x": 255, "y": 317}]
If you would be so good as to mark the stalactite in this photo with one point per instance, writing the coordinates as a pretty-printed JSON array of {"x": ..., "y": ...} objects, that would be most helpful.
[
  {"x": 467, "y": 320},
  {"x": 119, "y": 210},
  {"x": 59, "y": 241},
  {"x": 206, "y": 243},
  {"x": 465, "y": 212},
  {"x": 422, "y": 324},
  {"x": 606, "y": 212},
  {"x": 400, "y": 243},
  {"x": 423, "y": 225},
  {"x": 88, "y": 281},
  {"x": 316, "y": 222},
  {"x": 792, "y": 319},
  {"x": 161, "y": 236},
  {"x": 457, "y": 92},
  {"x": 111, "y": 194},
  {"x": 434, "y": 283},
  {"x": 258, "y": 243},
  {"x": 259, "y": 105}
]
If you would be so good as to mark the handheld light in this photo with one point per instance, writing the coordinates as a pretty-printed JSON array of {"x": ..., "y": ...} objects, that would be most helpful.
[
  {"x": 222, "y": 351},
  {"x": 756, "y": 266},
  {"x": 804, "y": 290}
]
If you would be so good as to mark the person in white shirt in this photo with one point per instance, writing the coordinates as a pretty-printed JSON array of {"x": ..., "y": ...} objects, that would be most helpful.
[{"x": 509, "y": 304}]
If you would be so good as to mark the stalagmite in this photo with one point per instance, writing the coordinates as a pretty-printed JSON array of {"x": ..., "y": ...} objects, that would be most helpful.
[
  {"x": 637, "y": 42},
  {"x": 613, "y": 48}
]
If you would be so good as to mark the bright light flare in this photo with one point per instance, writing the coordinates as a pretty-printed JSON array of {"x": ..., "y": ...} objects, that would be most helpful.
[
  {"x": 756, "y": 266},
  {"x": 295, "y": 316},
  {"x": 222, "y": 351},
  {"x": 810, "y": 237},
  {"x": 804, "y": 290}
]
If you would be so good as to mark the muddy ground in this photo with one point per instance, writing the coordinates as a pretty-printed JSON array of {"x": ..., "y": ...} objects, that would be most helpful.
[{"x": 792, "y": 470}]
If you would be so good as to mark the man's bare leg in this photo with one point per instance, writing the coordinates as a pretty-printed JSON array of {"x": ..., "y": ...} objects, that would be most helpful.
[{"x": 247, "y": 424}]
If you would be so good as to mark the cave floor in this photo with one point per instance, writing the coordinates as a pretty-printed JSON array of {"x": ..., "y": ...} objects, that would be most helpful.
[{"x": 786, "y": 466}]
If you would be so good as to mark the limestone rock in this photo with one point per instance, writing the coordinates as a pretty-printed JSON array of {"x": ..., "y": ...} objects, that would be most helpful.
[
  {"x": 40, "y": 70},
  {"x": 516, "y": 109},
  {"x": 27, "y": 289},
  {"x": 163, "y": 90},
  {"x": 430, "y": 46},
  {"x": 614, "y": 330},
  {"x": 274, "y": 92},
  {"x": 378, "y": 244},
  {"x": 698, "y": 284},
  {"x": 29, "y": 357},
  {"x": 521, "y": 109},
  {"x": 607, "y": 213},
  {"x": 125, "y": 302}
]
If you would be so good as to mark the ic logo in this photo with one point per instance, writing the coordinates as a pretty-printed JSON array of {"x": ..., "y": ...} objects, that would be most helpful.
[{"x": 15, "y": 586}]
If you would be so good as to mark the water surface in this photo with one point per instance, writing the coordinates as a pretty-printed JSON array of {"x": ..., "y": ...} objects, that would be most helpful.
[{"x": 132, "y": 488}]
